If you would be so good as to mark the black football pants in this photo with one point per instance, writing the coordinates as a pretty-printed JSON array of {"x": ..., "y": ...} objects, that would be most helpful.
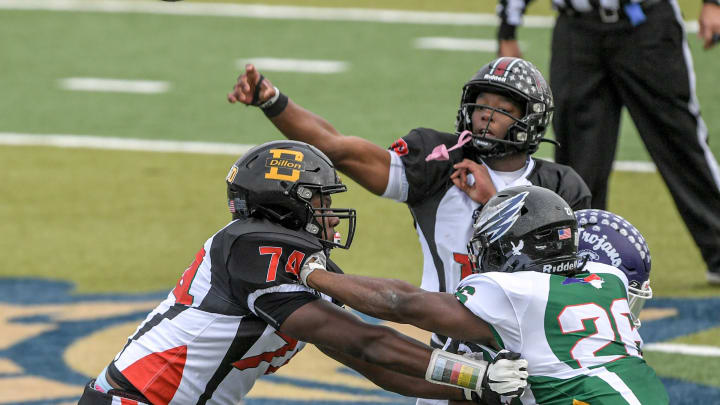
[{"x": 596, "y": 69}]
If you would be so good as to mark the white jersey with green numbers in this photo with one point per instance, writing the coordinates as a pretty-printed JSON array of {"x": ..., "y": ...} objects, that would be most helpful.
[{"x": 575, "y": 333}]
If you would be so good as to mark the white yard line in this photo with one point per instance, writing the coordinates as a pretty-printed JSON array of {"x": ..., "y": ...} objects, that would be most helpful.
[
  {"x": 113, "y": 85},
  {"x": 279, "y": 12},
  {"x": 101, "y": 142},
  {"x": 145, "y": 145},
  {"x": 268, "y": 12},
  {"x": 695, "y": 350},
  {"x": 295, "y": 65},
  {"x": 629, "y": 166},
  {"x": 456, "y": 44}
]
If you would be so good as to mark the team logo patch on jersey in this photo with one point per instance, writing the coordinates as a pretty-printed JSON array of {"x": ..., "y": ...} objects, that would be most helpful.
[
  {"x": 496, "y": 222},
  {"x": 400, "y": 147},
  {"x": 593, "y": 279}
]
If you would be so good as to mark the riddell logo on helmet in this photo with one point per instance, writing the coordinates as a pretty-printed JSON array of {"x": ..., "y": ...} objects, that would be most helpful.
[
  {"x": 567, "y": 266},
  {"x": 496, "y": 78}
]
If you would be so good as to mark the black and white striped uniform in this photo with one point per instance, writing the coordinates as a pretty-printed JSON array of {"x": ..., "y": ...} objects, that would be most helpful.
[
  {"x": 600, "y": 64},
  {"x": 217, "y": 332},
  {"x": 443, "y": 213}
]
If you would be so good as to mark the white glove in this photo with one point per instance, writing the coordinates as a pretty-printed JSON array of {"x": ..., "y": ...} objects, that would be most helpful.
[
  {"x": 507, "y": 374},
  {"x": 316, "y": 261}
]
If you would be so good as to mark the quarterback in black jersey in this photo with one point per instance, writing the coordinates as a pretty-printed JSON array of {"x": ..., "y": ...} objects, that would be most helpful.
[
  {"x": 239, "y": 312},
  {"x": 444, "y": 178}
]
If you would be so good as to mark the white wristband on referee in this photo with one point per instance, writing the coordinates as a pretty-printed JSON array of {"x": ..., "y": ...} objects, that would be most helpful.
[
  {"x": 455, "y": 370},
  {"x": 272, "y": 99}
]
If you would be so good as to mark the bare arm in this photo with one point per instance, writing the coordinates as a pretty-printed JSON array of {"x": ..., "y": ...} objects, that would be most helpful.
[
  {"x": 324, "y": 324},
  {"x": 366, "y": 163},
  {"x": 395, "y": 382},
  {"x": 398, "y": 301},
  {"x": 509, "y": 18}
]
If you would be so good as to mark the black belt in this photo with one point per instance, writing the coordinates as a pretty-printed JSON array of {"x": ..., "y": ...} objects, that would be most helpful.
[{"x": 606, "y": 15}]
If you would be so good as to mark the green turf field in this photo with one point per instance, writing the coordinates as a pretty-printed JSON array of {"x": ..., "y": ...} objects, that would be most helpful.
[{"x": 117, "y": 221}]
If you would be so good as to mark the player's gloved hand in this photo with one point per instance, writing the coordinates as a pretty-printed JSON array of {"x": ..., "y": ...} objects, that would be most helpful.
[
  {"x": 316, "y": 261},
  {"x": 506, "y": 374}
]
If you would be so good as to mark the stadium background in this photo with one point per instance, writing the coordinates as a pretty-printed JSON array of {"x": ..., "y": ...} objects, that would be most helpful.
[{"x": 93, "y": 238}]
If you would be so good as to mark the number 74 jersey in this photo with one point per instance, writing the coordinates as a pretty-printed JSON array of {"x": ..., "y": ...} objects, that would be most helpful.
[{"x": 575, "y": 332}]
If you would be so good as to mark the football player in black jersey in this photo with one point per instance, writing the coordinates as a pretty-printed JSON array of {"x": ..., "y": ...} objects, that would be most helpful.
[
  {"x": 444, "y": 178},
  {"x": 238, "y": 312}
]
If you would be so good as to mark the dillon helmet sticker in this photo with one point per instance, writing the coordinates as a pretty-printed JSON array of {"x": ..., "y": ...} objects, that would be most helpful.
[{"x": 496, "y": 222}]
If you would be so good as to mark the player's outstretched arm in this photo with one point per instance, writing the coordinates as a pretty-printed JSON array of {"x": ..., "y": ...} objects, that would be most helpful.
[
  {"x": 401, "y": 302},
  {"x": 395, "y": 382},
  {"x": 366, "y": 163},
  {"x": 325, "y": 325}
]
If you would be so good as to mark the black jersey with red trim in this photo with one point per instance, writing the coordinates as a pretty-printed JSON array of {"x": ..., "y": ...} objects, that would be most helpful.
[
  {"x": 443, "y": 213},
  {"x": 218, "y": 329}
]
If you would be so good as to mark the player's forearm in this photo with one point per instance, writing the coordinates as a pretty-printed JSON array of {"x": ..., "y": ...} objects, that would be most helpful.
[
  {"x": 299, "y": 124},
  {"x": 392, "y": 381},
  {"x": 382, "y": 298},
  {"x": 364, "y": 162}
]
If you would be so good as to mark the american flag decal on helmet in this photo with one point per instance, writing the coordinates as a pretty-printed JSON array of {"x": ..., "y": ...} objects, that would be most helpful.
[{"x": 564, "y": 233}]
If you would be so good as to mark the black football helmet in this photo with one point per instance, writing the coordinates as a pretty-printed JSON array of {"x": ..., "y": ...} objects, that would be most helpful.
[
  {"x": 522, "y": 82},
  {"x": 525, "y": 228},
  {"x": 277, "y": 180}
]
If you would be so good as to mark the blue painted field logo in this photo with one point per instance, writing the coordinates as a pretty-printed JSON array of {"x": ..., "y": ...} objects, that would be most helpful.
[{"x": 57, "y": 340}]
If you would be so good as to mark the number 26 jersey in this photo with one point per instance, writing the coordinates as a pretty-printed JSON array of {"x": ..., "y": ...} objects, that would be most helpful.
[{"x": 575, "y": 332}]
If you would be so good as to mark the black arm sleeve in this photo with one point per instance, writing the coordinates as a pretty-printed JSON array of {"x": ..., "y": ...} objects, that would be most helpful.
[{"x": 274, "y": 308}]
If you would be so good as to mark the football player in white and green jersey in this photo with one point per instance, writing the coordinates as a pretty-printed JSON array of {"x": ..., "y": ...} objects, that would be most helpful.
[{"x": 571, "y": 321}]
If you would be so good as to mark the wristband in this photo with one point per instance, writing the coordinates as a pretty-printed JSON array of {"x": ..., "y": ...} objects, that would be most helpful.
[
  {"x": 275, "y": 105},
  {"x": 307, "y": 269},
  {"x": 506, "y": 31},
  {"x": 271, "y": 100},
  {"x": 455, "y": 370}
]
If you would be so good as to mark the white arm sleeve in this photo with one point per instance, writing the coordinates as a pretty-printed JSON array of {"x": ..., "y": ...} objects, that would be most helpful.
[
  {"x": 397, "y": 187},
  {"x": 490, "y": 302}
]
